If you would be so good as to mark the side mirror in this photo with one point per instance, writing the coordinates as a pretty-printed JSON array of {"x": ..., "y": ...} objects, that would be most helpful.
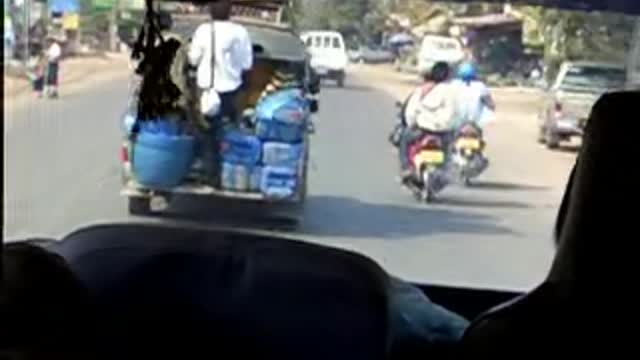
[{"x": 313, "y": 106}]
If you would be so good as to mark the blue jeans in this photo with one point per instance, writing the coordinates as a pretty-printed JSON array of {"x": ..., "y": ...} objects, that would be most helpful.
[
  {"x": 210, "y": 140},
  {"x": 415, "y": 318}
]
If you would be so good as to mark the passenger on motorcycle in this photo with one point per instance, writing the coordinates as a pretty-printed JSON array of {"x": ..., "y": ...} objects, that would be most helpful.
[
  {"x": 431, "y": 109},
  {"x": 475, "y": 103}
]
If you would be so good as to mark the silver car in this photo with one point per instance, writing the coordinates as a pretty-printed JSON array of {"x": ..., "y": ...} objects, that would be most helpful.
[{"x": 569, "y": 100}]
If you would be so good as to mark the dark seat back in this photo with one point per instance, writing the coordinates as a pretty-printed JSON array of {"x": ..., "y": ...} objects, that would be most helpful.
[
  {"x": 584, "y": 300},
  {"x": 190, "y": 291}
]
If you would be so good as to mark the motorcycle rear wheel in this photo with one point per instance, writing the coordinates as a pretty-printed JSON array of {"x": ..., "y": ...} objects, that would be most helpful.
[{"x": 427, "y": 194}]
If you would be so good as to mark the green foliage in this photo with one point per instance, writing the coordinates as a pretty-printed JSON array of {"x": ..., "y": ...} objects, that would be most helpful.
[{"x": 353, "y": 18}]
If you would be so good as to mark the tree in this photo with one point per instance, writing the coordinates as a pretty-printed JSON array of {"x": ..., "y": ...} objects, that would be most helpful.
[{"x": 353, "y": 18}]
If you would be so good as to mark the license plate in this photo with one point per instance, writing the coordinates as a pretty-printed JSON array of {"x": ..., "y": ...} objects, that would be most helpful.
[
  {"x": 471, "y": 144},
  {"x": 430, "y": 157},
  {"x": 322, "y": 71}
]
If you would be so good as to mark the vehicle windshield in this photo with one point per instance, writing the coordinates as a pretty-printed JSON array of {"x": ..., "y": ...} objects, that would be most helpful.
[
  {"x": 336, "y": 43},
  {"x": 594, "y": 77},
  {"x": 90, "y": 139}
]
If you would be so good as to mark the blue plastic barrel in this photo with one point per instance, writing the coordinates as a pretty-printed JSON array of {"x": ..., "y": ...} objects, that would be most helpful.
[{"x": 162, "y": 161}]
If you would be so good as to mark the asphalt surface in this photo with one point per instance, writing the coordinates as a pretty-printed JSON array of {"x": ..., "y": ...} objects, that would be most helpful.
[{"x": 62, "y": 172}]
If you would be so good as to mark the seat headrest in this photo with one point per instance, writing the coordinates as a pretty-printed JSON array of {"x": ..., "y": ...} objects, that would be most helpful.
[
  {"x": 593, "y": 223},
  {"x": 217, "y": 291}
]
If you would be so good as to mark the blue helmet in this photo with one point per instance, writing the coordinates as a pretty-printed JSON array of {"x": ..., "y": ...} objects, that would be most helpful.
[{"x": 467, "y": 72}]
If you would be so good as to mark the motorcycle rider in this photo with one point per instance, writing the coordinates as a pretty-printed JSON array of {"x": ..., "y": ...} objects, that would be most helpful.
[
  {"x": 474, "y": 97},
  {"x": 431, "y": 108}
]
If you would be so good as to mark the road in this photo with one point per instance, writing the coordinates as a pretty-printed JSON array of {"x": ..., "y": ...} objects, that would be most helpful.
[{"x": 62, "y": 172}]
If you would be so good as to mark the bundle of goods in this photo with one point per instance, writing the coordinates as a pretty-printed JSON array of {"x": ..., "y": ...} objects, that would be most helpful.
[
  {"x": 265, "y": 80},
  {"x": 279, "y": 181},
  {"x": 281, "y": 81},
  {"x": 282, "y": 116},
  {"x": 240, "y": 152},
  {"x": 162, "y": 154},
  {"x": 269, "y": 160}
]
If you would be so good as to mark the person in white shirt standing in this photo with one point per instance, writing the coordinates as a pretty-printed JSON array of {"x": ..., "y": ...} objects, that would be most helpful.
[
  {"x": 224, "y": 72},
  {"x": 54, "y": 54},
  {"x": 222, "y": 52}
]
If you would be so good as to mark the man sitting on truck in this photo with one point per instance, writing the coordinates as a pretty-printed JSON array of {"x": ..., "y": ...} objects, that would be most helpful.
[{"x": 221, "y": 69}]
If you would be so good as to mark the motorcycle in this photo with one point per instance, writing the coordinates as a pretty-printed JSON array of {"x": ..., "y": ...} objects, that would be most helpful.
[
  {"x": 468, "y": 153},
  {"x": 428, "y": 159}
]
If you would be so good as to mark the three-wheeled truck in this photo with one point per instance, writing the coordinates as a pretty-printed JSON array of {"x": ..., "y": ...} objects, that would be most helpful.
[{"x": 275, "y": 45}]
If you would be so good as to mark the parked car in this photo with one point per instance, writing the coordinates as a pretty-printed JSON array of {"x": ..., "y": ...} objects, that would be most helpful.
[
  {"x": 569, "y": 100},
  {"x": 372, "y": 55}
]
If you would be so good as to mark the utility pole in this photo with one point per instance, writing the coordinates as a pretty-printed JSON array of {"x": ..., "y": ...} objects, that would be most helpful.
[
  {"x": 113, "y": 25},
  {"x": 26, "y": 9}
]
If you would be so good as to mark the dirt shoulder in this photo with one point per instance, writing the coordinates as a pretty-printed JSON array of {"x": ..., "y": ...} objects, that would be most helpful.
[
  {"x": 74, "y": 73},
  {"x": 398, "y": 84}
]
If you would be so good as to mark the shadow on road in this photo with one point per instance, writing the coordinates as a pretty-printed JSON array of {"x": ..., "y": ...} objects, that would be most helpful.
[
  {"x": 209, "y": 211},
  {"x": 499, "y": 185},
  {"x": 348, "y": 217},
  {"x": 347, "y": 87},
  {"x": 482, "y": 203}
]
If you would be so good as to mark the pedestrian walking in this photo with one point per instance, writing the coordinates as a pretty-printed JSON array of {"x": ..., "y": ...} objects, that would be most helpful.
[{"x": 54, "y": 55}]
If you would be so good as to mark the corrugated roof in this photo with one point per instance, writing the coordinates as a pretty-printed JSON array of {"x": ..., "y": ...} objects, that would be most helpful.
[{"x": 487, "y": 20}]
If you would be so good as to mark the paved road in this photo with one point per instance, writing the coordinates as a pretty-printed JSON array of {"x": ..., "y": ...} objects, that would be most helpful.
[{"x": 62, "y": 172}]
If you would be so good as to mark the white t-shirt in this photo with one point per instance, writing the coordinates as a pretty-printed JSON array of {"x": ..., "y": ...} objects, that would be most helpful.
[
  {"x": 471, "y": 107},
  {"x": 234, "y": 54},
  {"x": 433, "y": 110},
  {"x": 54, "y": 52}
]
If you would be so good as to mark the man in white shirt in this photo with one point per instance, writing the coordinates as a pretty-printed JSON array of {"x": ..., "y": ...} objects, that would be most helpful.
[
  {"x": 53, "y": 53},
  {"x": 475, "y": 103},
  {"x": 233, "y": 56}
]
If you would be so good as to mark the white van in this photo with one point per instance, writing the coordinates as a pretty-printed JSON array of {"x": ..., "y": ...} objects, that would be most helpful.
[
  {"x": 436, "y": 48},
  {"x": 328, "y": 54}
]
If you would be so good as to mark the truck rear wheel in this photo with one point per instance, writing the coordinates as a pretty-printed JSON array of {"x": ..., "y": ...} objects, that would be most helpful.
[
  {"x": 139, "y": 206},
  {"x": 340, "y": 80}
]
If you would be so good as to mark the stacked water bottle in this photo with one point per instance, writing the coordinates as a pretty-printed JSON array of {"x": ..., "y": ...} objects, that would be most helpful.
[{"x": 269, "y": 158}]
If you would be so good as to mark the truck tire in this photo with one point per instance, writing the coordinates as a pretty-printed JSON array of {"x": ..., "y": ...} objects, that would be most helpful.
[
  {"x": 139, "y": 206},
  {"x": 552, "y": 140},
  {"x": 340, "y": 80}
]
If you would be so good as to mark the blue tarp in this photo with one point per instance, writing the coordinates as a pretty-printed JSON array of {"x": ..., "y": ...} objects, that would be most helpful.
[{"x": 64, "y": 6}]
